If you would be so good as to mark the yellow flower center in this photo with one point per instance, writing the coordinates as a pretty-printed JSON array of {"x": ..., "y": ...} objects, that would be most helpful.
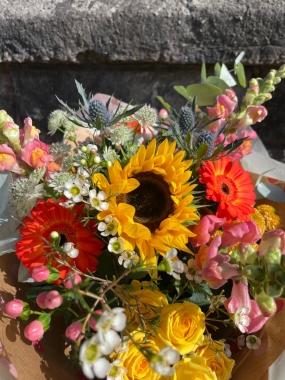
[{"x": 151, "y": 200}]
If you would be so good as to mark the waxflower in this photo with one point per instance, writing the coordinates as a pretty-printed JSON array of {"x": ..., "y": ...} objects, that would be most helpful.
[
  {"x": 163, "y": 360},
  {"x": 109, "y": 226},
  {"x": 116, "y": 245},
  {"x": 97, "y": 200},
  {"x": 170, "y": 265},
  {"x": 253, "y": 342},
  {"x": 76, "y": 189}
]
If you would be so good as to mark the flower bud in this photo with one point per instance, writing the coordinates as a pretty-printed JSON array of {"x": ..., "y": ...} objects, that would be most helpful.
[
  {"x": 253, "y": 82},
  {"x": 270, "y": 75},
  {"x": 247, "y": 253},
  {"x": 272, "y": 269},
  {"x": 254, "y": 273},
  {"x": 265, "y": 303},
  {"x": 40, "y": 273},
  {"x": 83, "y": 162},
  {"x": 4, "y": 118},
  {"x": 268, "y": 82},
  {"x": 54, "y": 235},
  {"x": 259, "y": 100},
  {"x": 163, "y": 114},
  {"x": 71, "y": 279},
  {"x": 273, "y": 289},
  {"x": 14, "y": 308},
  {"x": 84, "y": 149},
  {"x": 53, "y": 299},
  {"x": 34, "y": 331},
  {"x": 249, "y": 98},
  {"x": 282, "y": 261},
  {"x": 40, "y": 300},
  {"x": 273, "y": 255},
  {"x": 276, "y": 80},
  {"x": 267, "y": 96},
  {"x": 73, "y": 331},
  {"x": 97, "y": 160}
]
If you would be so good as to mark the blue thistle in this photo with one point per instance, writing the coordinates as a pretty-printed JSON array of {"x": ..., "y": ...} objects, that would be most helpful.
[
  {"x": 97, "y": 108},
  {"x": 208, "y": 138},
  {"x": 186, "y": 120}
]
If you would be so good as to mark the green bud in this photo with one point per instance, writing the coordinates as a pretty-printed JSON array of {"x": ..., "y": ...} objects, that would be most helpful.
[
  {"x": 97, "y": 159},
  {"x": 254, "y": 273},
  {"x": 247, "y": 254},
  {"x": 273, "y": 289},
  {"x": 4, "y": 118},
  {"x": 260, "y": 99},
  {"x": 282, "y": 261},
  {"x": 249, "y": 98},
  {"x": 269, "y": 82},
  {"x": 84, "y": 149},
  {"x": 281, "y": 69},
  {"x": 276, "y": 80},
  {"x": 269, "y": 89},
  {"x": 54, "y": 235},
  {"x": 235, "y": 257},
  {"x": 272, "y": 269},
  {"x": 253, "y": 82},
  {"x": 83, "y": 162},
  {"x": 265, "y": 303},
  {"x": 280, "y": 278},
  {"x": 273, "y": 255},
  {"x": 267, "y": 96},
  {"x": 271, "y": 75}
]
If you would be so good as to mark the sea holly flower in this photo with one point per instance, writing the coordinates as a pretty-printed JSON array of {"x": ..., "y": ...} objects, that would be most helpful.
[
  {"x": 128, "y": 258},
  {"x": 191, "y": 271},
  {"x": 109, "y": 226},
  {"x": 253, "y": 342},
  {"x": 244, "y": 311},
  {"x": 116, "y": 245},
  {"x": 163, "y": 360},
  {"x": 76, "y": 190},
  {"x": 97, "y": 200},
  {"x": 171, "y": 265}
]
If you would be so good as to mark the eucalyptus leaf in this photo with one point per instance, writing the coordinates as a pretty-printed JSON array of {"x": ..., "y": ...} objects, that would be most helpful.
[
  {"x": 226, "y": 76},
  {"x": 218, "y": 82},
  {"x": 203, "y": 73},
  {"x": 82, "y": 93},
  {"x": 183, "y": 91},
  {"x": 241, "y": 74},
  {"x": 206, "y": 94},
  {"x": 166, "y": 105},
  {"x": 217, "y": 70},
  {"x": 239, "y": 57}
]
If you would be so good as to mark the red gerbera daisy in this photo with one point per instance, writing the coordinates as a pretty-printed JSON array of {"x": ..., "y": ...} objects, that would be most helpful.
[
  {"x": 47, "y": 217},
  {"x": 228, "y": 184}
]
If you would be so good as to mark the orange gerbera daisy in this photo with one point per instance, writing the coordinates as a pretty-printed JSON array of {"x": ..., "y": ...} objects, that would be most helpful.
[
  {"x": 228, "y": 184},
  {"x": 47, "y": 217}
]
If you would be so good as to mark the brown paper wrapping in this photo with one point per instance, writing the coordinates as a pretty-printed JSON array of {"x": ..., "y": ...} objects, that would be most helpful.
[{"x": 30, "y": 363}]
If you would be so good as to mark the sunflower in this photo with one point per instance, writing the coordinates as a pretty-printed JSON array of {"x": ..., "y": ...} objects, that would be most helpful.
[
  {"x": 47, "y": 217},
  {"x": 151, "y": 198},
  {"x": 229, "y": 185}
]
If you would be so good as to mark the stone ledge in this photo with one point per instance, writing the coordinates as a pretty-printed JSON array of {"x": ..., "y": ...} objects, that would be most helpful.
[{"x": 168, "y": 31}]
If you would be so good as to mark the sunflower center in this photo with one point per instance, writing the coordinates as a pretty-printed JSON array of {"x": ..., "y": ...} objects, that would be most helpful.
[{"x": 151, "y": 200}]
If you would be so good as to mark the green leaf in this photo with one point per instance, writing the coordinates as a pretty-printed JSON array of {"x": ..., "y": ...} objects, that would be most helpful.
[
  {"x": 199, "y": 295},
  {"x": 241, "y": 74},
  {"x": 53, "y": 275},
  {"x": 203, "y": 73},
  {"x": 107, "y": 266},
  {"x": 226, "y": 76},
  {"x": 126, "y": 113},
  {"x": 45, "y": 320},
  {"x": 82, "y": 93},
  {"x": 183, "y": 91},
  {"x": 164, "y": 103},
  {"x": 206, "y": 94},
  {"x": 217, "y": 69},
  {"x": 203, "y": 149},
  {"x": 218, "y": 83},
  {"x": 239, "y": 57}
]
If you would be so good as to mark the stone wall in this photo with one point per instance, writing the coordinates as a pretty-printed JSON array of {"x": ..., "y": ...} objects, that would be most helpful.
[{"x": 135, "y": 49}]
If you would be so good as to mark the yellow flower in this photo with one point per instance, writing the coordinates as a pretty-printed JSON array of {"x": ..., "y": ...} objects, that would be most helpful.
[
  {"x": 151, "y": 198},
  {"x": 271, "y": 219},
  {"x": 147, "y": 302},
  {"x": 182, "y": 326},
  {"x": 136, "y": 363},
  {"x": 194, "y": 368},
  {"x": 216, "y": 359}
]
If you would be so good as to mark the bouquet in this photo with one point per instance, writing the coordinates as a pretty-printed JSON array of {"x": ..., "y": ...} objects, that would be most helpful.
[{"x": 142, "y": 231}]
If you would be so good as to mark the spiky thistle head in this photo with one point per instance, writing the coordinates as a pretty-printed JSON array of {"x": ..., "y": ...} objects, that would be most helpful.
[
  {"x": 207, "y": 138},
  {"x": 97, "y": 109},
  {"x": 186, "y": 120}
]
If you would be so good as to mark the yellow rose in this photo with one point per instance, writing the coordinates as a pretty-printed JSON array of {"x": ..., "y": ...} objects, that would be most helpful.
[
  {"x": 194, "y": 368},
  {"x": 182, "y": 326},
  {"x": 136, "y": 363},
  {"x": 147, "y": 303},
  {"x": 216, "y": 359}
]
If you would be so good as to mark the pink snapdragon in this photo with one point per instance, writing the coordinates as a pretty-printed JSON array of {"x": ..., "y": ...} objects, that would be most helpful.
[
  {"x": 245, "y": 148},
  {"x": 245, "y": 232},
  {"x": 216, "y": 269},
  {"x": 29, "y": 132},
  {"x": 7, "y": 158},
  {"x": 274, "y": 239},
  {"x": 254, "y": 114},
  {"x": 36, "y": 154},
  {"x": 11, "y": 132},
  {"x": 224, "y": 107},
  {"x": 208, "y": 225},
  {"x": 244, "y": 311}
]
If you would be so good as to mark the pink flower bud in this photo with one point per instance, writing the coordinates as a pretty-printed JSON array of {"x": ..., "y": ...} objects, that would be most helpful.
[
  {"x": 93, "y": 322},
  {"x": 72, "y": 332},
  {"x": 163, "y": 114},
  {"x": 53, "y": 299},
  {"x": 40, "y": 273},
  {"x": 40, "y": 300},
  {"x": 71, "y": 279},
  {"x": 34, "y": 331},
  {"x": 14, "y": 308}
]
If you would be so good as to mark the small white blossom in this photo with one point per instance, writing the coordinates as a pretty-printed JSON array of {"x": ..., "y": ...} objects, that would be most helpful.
[
  {"x": 109, "y": 226},
  {"x": 242, "y": 319},
  {"x": 69, "y": 249},
  {"x": 58, "y": 180},
  {"x": 128, "y": 258},
  {"x": 97, "y": 200},
  {"x": 162, "y": 361},
  {"x": 92, "y": 147},
  {"x": 191, "y": 271},
  {"x": 67, "y": 204},
  {"x": 76, "y": 190},
  {"x": 116, "y": 245},
  {"x": 227, "y": 349},
  {"x": 93, "y": 363},
  {"x": 115, "y": 319},
  {"x": 253, "y": 342},
  {"x": 241, "y": 342},
  {"x": 116, "y": 371},
  {"x": 82, "y": 174},
  {"x": 172, "y": 267}
]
